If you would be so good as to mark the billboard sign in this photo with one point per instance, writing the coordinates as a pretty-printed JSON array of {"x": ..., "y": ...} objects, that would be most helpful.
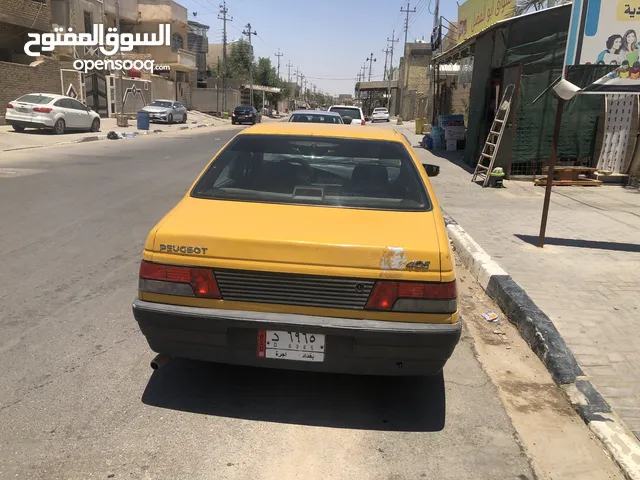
[
  {"x": 474, "y": 16},
  {"x": 605, "y": 32}
]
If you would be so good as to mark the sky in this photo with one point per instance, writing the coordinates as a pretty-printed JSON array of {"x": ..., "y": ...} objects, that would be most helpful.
[{"x": 327, "y": 40}]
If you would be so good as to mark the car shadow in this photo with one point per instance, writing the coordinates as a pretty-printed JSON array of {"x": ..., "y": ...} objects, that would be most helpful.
[
  {"x": 409, "y": 404},
  {"x": 578, "y": 243}
]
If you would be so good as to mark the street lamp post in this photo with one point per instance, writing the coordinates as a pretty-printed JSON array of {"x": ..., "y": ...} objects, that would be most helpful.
[{"x": 371, "y": 60}]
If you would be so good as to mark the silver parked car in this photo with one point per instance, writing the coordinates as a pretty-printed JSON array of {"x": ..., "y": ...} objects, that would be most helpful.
[
  {"x": 48, "y": 111},
  {"x": 168, "y": 111}
]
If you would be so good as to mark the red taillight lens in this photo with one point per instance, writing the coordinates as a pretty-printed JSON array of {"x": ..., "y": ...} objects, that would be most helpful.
[
  {"x": 9, "y": 105},
  {"x": 363, "y": 122},
  {"x": 42, "y": 109},
  {"x": 385, "y": 295},
  {"x": 201, "y": 280}
]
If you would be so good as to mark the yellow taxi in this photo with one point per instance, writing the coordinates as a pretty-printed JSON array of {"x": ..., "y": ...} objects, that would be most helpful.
[{"x": 305, "y": 246}]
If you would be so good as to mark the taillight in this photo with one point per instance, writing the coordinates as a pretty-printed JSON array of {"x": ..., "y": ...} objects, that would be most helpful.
[
  {"x": 183, "y": 281},
  {"x": 416, "y": 297},
  {"x": 9, "y": 105},
  {"x": 42, "y": 109},
  {"x": 362, "y": 122}
]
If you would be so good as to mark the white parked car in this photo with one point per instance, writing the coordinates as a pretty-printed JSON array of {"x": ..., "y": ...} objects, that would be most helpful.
[
  {"x": 168, "y": 111},
  {"x": 350, "y": 115},
  {"x": 56, "y": 112},
  {"x": 380, "y": 114}
]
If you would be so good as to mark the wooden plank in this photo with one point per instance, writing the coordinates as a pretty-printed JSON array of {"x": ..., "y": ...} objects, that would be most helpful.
[{"x": 541, "y": 181}]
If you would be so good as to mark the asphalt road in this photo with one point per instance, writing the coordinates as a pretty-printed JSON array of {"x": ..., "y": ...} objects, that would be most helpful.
[{"x": 78, "y": 399}]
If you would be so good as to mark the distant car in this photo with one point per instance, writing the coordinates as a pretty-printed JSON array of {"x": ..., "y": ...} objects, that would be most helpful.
[
  {"x": 315, "y": 116},
  {"x": 349, "y": 114},
  {"x": 167, "y": 111},
  {"x": 380, "y": 114},
  {"x": 57, "y": 112},
  {"x": 245, "y": 114}
]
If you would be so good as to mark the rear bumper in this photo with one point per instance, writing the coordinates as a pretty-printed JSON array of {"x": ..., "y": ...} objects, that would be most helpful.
[
  {"x": 352, "y": 346},
  {"x": 27, "y": 123}
]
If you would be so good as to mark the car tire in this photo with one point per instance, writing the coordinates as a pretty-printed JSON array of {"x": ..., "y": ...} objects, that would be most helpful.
[
  {"x": 253, "y": 122},
  {"x": 184, "y": 119},
  {"x": 18, "y": 128},
  {"x": 170, "y": 118},
  {"x": 95, "y": 125},
  {"x": 233, "y": 122},
  {"x": 388, "y": 120},
  {"x": 59, "y": 127}
]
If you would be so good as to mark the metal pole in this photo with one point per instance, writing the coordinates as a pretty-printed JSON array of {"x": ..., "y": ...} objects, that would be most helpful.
[
  {"x": 120, "y": 102},
  {"x": 550, "y": 174},
  {"x": 248, "y": 33},
  {"x": 390, "y": 74},
  {"x": 223, "y": 11}
]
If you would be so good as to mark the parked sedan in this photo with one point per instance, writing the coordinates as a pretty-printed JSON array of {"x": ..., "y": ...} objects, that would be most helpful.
[
  {"x": 380, "y": 114},
  {"x": 167, "y": 111},
  {"x": 56, "y": 112},
  {"x": 309, "y": 247},
  {"x": 245, "y": 114}
]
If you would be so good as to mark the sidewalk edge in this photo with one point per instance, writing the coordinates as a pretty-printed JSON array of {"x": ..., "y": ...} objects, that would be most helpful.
[{"x": 537, "y": 329}]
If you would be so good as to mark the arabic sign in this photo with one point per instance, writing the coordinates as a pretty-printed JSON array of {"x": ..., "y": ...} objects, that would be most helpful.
[
  {"x": 476, "y": 15},
  {"x": 123, "y": 42},
  {"x": 605, "y": 32}
]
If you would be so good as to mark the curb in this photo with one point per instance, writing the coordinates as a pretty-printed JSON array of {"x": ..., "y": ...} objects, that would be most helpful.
[
  {"x": 537, "y": 329},
  {"x": 95, "y": 138}
]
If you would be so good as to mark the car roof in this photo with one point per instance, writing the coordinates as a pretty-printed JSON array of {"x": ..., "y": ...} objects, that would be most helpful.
[
  {"x": 164, "y": 100},
  {"x": 345, "y": 106},
  {"x": 52, "y": 95},
  {"x": 323, "y": 130},
  {"x": 315, "y": 112}
]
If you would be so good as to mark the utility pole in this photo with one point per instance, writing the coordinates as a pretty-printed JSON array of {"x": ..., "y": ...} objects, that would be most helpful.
[
  {"x": 371, "y": 60},
  {"x": 393, "y": 41},
  {"x": 406, "y": 21},
  {"x": 301, "y": 86},
  {"x": 223, "y": 16},
  {"x": 289, "y": 65},
  {"x": 279, "y": 55},
  {"x": 249, "y": 33},
  {"x": 305, "y": 89},
  {"x": 386, "y": 58}
]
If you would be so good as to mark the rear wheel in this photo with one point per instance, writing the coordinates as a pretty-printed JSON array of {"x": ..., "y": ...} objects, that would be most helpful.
[
  {"x": 184, "y": 119},
  {"x": 253, "y": 122},
  {"x": 95, "y": 125},
  {"x": 59, "y": 127},
  {"x": 170, "y": 118},
  {"x": 388, "y": 120},
  {"x": 18, "y": 128}
]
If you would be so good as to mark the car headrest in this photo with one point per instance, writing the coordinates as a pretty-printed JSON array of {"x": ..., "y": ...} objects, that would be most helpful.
[{"x": 372, "y": 174}]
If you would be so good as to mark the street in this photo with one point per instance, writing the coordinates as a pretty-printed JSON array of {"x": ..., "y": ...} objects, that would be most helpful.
[{"x": 79, "y": 399}]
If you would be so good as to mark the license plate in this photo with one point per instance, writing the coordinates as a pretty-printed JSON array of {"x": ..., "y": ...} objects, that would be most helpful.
[
  {"x": 284, "y": 345},
  {"x": 23, "y": 110}
]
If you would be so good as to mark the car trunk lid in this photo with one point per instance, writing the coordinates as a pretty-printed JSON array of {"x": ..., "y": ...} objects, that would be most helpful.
[{"x": 261, "y": 236}]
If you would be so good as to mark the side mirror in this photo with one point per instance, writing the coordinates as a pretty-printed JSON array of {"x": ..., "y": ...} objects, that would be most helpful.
[{"x": 432, "y": 170}]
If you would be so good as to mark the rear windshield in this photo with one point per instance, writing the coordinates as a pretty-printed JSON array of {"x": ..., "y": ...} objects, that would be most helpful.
[
  {"x": 242, "y": 109},
  {"x": 300, "y": 117},
  {"x": 379, "y": 110},
  {"x": 33, "y": 98},
  {"x": 353, "y": 113},
  {"x": 303, "y": 170},
  {"x": 158, "y": 103}
]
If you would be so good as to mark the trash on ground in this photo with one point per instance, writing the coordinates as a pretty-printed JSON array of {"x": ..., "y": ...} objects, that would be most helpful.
[{"x": 491, "y": 317}]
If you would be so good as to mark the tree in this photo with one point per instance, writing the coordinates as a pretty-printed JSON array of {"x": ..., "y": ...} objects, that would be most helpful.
[
  {"x": 523, "y": 6},
  {"x": 238, "y": 60}
]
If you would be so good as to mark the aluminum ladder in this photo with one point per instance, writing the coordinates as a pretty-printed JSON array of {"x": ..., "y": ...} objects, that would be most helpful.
[{"x": 491, "y": 146}]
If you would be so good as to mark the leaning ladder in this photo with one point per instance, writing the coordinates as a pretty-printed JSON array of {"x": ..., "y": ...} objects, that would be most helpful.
[{"x": 491, "y": 146}]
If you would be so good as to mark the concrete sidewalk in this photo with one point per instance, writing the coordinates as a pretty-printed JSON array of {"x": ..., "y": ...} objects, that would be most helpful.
[
  {"x": 11, "y": 141},
  {"x": 587, "y": 277}
]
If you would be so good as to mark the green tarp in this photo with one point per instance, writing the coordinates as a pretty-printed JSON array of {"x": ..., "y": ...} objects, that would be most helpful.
[{"x": 537, "y": 42}]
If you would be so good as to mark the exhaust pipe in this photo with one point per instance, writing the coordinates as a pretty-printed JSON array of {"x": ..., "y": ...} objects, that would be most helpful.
[{"x": 160, "y": 361}]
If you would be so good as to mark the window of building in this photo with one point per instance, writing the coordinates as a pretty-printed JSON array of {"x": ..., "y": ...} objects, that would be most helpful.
[
  {"x": 177, "y": 41},
  {"x": 88, "y": 22}
]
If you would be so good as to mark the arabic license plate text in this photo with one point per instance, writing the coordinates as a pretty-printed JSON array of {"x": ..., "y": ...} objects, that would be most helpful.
[{"x": 283, "y": 345}]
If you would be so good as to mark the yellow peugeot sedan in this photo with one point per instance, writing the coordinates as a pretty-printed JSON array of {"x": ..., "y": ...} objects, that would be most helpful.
[{"x": 305, "y": 246}]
